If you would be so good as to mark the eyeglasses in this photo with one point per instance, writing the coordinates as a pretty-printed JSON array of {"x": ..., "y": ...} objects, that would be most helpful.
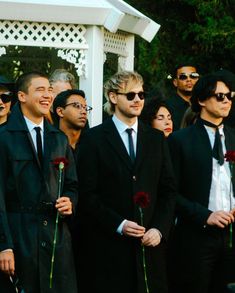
[
  {"x": 79, "y": 106},
  {"x": 131, "y": 95},
  {"x": 6, "y": 97},
  {"x": 221, "y": 96},
  {"x": 184, "y": 76}
]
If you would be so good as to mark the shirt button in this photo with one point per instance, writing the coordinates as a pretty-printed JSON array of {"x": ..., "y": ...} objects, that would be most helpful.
[
  {"x": 134, "y": 178},
  {"x": 43, "y": 244},
  {"x": 45, "y": 223}
]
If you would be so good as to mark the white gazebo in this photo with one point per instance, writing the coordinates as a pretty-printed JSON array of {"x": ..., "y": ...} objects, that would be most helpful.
[{"x": 82, "y": 31}]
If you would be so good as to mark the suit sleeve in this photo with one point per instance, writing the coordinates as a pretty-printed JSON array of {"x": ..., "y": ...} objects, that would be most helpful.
[
  {"x": 5, "y": 234},
  {"x": 90, "y": 205},
  {"x": 185, "y": 207}
]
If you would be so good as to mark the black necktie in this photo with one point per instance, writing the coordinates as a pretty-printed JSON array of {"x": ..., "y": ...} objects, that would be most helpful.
[
  {"x": 217, "y": 151},
  {"x": 131, "y": 144},
  {"x": 39, "y": 143}
]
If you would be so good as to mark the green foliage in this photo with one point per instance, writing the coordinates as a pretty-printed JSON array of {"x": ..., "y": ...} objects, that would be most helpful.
[{"x": 192, "y": 31}]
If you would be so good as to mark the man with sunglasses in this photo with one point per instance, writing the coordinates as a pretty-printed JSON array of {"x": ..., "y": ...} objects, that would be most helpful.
[
  {"x": 6, "y": 98},
  {"x": 118, "y": 160},
  {"x": 71, "y": 110},
  {"x": 185, "y": 77},
  {"x": 203, "y": 246}
]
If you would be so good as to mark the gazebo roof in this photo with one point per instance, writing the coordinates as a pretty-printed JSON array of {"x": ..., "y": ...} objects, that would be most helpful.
[{"x": 112, "y": 14}]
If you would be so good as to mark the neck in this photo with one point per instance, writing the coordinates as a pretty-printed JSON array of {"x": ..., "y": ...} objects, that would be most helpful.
[
  {"x": 186, "y": 96},
  {"x": 72, "y": 134},
  {"x": 214, "y": 120},
  {"x": 3, "y": 119},
  {"x": 127, "y": 120}
]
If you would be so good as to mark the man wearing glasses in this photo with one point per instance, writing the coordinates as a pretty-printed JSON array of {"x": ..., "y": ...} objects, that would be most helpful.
[
  {"x": 203, "y": 246},
  {"x": 185, "y": 77},
  {"x": 71, "y": 110},
  {"x": 118, "y": 160}
]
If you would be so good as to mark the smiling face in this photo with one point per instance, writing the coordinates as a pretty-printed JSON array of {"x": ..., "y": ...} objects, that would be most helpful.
[
  {"x": 36, "y": 102},
  {"x": 128, "y": 111},
  {"x": 163, "y": 121},
  {"x": 213, "y": 110}
]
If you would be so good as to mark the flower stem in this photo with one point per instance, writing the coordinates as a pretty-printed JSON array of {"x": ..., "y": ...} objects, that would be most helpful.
[
  {"x": 231, "y": 235},
  {"x": 143, "y": 253},
  {"x": 61, "y": 167}
]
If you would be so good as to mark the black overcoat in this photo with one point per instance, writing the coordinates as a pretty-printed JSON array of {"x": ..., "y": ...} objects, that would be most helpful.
[
  {"x": 27, "y": 192},
  {"x": 107, "y": 261}
]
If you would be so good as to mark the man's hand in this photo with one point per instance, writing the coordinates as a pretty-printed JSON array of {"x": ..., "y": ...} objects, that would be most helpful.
[
  {"x": 7, "y": 262},
  {"x": 64, "y": 206},
  {"x": 133, "y": 229},
  {"x": 151, "y": 238},
  {"x": 220, "y": 219}
]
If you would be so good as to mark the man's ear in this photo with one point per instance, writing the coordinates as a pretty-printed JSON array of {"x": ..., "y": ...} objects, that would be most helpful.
[
  {"x": 175, "y": 82},
  {"x": 201, "y": 103},
  {"x": 59, "y": 111},
  {"x": 113, "y": 97},
  {"x": 21, "y": 96}
]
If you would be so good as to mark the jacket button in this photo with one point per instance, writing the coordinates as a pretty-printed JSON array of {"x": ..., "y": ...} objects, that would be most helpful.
[
  {"x": 45, "y": 223},
  {"x": 43, "y": 244},
  {"x": 134, "y": 178}
]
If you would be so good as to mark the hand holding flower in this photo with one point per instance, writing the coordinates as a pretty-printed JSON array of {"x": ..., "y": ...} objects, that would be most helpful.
[
  {"x": 151, "y": 238},
  {"x": 64, "y": 206},
  {"x": 133, "y": 229},
  {"x": 220, "y": 219}
]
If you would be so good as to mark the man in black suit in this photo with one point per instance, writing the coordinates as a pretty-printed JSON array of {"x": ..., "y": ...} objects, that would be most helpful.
[
  {"x": 28, "y": 194},
  {"x": 202, "y": 259},
  {"x": 113, "y": 166}
]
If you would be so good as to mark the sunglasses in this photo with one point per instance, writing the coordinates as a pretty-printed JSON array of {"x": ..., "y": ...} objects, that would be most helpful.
[
  {"x": 16, "y": 284},
  {"x": 184, "y": 76},
  {"x": 6, "y": 97},
  {"x": 221, "y": 96},
  {"x": 79, "y": 106},
  {"x": 131, "y": 95}
]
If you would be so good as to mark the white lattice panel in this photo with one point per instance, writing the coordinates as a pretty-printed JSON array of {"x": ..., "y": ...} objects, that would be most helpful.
[
  {"x": 23, "y": 33},
  {"x": 116, "y": 43}
]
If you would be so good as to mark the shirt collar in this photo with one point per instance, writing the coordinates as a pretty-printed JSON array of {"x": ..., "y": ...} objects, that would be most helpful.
[
  {"x": 121, "y": 127},
  {"x": 30, "y": 124}
]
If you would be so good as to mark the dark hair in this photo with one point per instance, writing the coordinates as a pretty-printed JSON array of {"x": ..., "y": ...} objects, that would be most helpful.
[
  {"x": 183, "y": 65},
  {"x": 151, "y": 107},
  {"x": 205, "y": 88},
  {"x": 61, "y": 99},
  {"x": 24, "y": 81}
]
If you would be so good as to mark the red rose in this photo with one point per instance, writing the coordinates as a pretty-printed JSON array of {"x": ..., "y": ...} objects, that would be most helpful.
[
  {"x": 230, "y": 156},
  {"x": 142, "y": 199},
  {"x": 59, "y": 160}
]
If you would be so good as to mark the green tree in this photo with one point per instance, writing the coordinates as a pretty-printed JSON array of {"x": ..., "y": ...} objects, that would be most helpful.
[{"x": 196, "y": 31}]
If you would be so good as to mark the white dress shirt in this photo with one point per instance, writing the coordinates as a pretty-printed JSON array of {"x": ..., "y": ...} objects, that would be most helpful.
[
  {"x": 221, "y": 191},
  {"x": 31, "y": 125}
]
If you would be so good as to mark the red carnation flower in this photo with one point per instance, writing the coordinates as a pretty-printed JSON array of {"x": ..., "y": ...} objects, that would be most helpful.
[
  {"x": 142, "y": 199},
  {"x": 230, "y": 156},
  {"x": 58, "y": 161}
]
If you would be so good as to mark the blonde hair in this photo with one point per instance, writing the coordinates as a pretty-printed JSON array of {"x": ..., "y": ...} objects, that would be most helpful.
[{"x": 119, "y": 81}]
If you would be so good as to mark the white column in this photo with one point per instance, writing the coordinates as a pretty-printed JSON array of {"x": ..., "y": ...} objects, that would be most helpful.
[
  {"x": 127, "y": 62},
  {"x": 92, "y": 84}
]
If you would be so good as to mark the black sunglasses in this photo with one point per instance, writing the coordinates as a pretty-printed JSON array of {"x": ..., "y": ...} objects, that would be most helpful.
[
  {"x": 6, "y": 97},
  {"x": 221, "y": 96},
  {"x": 184, "y": 76},
  {"x": 131, "y": 95}
]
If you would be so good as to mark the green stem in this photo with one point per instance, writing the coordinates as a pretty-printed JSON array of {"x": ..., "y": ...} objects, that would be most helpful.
[
  {"x": 61, "y": 167},
  {"x": 143, "y": 253}
]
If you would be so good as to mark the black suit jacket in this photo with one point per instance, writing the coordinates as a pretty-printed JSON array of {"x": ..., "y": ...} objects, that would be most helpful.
[
  {"x": 191, "y": 154},
  {"x": 107, "y": 183}
]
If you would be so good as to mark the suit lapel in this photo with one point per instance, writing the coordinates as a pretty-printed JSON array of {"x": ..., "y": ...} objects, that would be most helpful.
[{"x": 116, "y": 143}]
